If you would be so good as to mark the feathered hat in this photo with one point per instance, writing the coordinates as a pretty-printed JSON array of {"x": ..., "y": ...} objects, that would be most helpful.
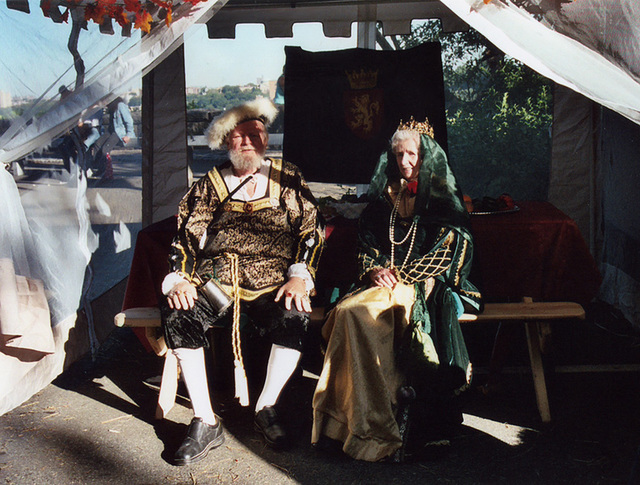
[{"x": 260, "y": 109}]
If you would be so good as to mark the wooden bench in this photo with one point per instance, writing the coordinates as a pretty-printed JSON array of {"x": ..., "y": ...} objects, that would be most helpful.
[
  {"x": 535, "y": 315},
  {"x": 149, "y": 319}
]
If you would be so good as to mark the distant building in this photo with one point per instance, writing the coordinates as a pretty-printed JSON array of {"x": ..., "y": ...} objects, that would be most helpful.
[
  {"x": 195, "y": 90},
  {"x": 271, "y": 89},
  {"x": 5, "y": 100}
]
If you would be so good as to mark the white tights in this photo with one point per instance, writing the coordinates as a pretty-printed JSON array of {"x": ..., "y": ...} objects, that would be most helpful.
[
  {"x": 282, "y": 364},
  {"x": 194, "y": 375}
]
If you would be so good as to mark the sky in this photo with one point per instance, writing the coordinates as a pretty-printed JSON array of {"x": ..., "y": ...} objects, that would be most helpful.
[
  {"x": 35, "y": 58},
  {"x": 250, "y": 55}
]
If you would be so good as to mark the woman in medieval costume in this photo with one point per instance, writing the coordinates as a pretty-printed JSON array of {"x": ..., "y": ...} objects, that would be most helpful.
[{"x": 397, "y": 337}]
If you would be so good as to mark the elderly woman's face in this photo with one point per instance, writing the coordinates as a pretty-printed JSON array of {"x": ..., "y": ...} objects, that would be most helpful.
[{"x": 408, "y": 158}]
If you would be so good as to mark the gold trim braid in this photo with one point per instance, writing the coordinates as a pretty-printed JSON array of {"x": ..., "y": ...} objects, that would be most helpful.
[{"x": 273, "y": 191}]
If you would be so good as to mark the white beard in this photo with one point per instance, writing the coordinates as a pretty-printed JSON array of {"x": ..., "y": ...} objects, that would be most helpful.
[{"x": 245, "y": 162}]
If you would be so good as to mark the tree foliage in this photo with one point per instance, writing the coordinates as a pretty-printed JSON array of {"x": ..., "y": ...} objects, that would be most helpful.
[
  {"x": 223, "y": 98},
  {"x": 499, "y": 115}
]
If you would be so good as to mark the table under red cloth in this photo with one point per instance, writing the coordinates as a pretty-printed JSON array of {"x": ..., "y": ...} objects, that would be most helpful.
[
  {"x": 150, "y": 264},
  {"x": 537, "y": 251}
]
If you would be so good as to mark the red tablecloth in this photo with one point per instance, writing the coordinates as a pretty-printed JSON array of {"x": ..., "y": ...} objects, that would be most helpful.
[
  {"x": 537, "y": 252},
  {"x": 150, "y": 264}
]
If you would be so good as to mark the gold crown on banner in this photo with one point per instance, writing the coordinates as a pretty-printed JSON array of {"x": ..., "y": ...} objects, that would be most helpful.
[
  {"x": 424, "y": 128},
  {"x": 362, "y": 79}
]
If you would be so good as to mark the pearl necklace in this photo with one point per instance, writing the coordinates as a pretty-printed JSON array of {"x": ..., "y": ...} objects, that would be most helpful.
[{"x": 411, "y": 233}]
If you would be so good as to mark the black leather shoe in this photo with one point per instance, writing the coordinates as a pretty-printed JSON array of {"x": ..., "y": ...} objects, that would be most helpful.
[
  {"x": 201, "y": 437},
  {"x": 267, "y": 422}
]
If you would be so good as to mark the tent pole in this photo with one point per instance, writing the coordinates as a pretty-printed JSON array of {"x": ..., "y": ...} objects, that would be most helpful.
[
  {"x": 164, "y": 140},
  {"x": 366, "y": 26}
]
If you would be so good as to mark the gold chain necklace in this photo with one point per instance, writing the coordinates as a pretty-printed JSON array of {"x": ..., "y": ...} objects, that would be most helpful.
[{"x": 392, "y": 229}]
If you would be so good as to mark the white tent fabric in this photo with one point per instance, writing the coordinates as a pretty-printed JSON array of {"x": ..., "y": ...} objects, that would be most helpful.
[
  {"x": 593, "y": 48},
  {"x": 48, "y": 236},
  {"x": 590, "y": 46}
]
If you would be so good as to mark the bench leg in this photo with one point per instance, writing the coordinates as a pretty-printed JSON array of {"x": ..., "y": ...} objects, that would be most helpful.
[
  {"x": 533, "y": 342},
  {"x": 168, "y": 385}
]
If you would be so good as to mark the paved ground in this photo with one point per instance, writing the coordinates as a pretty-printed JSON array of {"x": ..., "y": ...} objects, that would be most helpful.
[{"x": 95, "y": 423}]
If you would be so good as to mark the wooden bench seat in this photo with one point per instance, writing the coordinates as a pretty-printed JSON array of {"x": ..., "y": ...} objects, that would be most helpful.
[{"x": 535, "y": 316}]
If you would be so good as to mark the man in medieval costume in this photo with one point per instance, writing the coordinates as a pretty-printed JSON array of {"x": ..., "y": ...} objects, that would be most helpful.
[{"x": 250, "y": 227}]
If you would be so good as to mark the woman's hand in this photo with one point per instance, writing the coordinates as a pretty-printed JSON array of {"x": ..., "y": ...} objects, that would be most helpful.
[
  {"x": 182, "y": 296},
  {"x": 296, "y": 290},
  {"x": 383, "y": 277}
]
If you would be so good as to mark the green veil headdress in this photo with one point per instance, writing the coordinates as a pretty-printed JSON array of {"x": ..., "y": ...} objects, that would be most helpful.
[{"x": 439, "y": 198}]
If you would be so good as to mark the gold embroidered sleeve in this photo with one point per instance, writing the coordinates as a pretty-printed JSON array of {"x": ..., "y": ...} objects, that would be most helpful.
[
  {"x": 434, "y": 263},
  {"x": 366, "y": 264},
  {"x": 194, "y": 215}
]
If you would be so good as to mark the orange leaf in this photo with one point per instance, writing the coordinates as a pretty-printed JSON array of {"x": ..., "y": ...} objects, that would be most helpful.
[
  {"x": 168, "y": 19},
  {"x": 143, "y": 21},
  {"x": 95, "y": 12},
  {"x": 161, "y": 3},
  {"x": 120, "y": 16}
]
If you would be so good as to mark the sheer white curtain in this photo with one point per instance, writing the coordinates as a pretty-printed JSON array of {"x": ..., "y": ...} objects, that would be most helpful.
[
  {"x": 108, "y": 75},
  {"x": 51, "y": 230}
]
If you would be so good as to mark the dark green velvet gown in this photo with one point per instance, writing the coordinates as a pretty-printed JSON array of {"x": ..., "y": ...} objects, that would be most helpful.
[{"x": 442, "y": 249}]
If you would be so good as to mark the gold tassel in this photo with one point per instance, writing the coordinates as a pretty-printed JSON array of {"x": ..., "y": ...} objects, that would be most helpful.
[
  {"x": 239, "y": 374},
  {"x": 242, "y": 387}
]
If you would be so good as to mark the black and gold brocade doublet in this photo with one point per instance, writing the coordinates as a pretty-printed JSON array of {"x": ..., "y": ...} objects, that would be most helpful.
[{"x": 268, "y": 235}]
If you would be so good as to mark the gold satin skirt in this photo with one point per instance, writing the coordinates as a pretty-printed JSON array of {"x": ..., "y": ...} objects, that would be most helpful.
[{"x": 355, "y": 399}]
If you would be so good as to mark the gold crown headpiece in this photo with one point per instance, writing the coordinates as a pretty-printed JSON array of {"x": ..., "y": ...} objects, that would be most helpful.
[{"x": 424, "y": 128}]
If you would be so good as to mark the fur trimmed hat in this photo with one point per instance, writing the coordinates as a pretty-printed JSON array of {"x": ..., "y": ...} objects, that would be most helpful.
[{"x": 259, "y": 109}]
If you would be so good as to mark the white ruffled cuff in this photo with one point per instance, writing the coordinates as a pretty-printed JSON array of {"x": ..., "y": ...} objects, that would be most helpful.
[
  {"x": 171, "y": 280},
  {"x": 301, "y": 271}
]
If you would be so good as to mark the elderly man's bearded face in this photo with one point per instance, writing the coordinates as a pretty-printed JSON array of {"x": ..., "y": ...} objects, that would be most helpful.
[{"x": 247, "y": 144}]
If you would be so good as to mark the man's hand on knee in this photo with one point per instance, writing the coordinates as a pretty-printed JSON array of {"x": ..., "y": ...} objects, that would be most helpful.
[
  {"x": 182, "y": 296},
  {"x": 295, "y": 290}
]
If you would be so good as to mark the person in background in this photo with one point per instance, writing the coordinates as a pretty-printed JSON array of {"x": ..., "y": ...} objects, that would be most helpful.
[{"x": 119, "y": 133}]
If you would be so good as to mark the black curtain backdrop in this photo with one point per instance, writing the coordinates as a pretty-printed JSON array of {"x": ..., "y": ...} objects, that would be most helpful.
[{"x": 341, "y": 107}]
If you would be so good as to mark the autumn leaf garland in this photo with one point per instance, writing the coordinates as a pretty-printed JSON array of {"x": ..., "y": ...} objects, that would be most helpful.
[{"x": 123, "y": 11}]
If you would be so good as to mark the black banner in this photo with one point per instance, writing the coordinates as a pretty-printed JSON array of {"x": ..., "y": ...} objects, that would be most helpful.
[{"x": 341, "y": 107}]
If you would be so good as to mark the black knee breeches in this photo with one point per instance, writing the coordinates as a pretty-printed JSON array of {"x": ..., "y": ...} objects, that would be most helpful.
[{"x": 187, "y": 328}]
